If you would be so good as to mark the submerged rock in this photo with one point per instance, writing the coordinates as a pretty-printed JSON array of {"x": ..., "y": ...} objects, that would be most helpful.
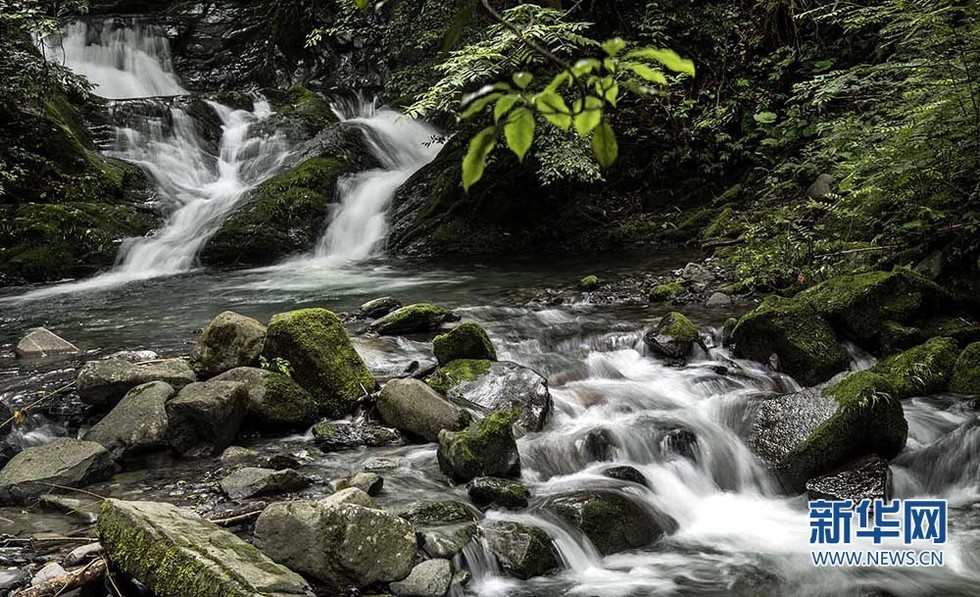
[
  {"x": 205, "y": 417},
  {"x": 379, "y": 307},
  {"x": 430, "y": 578},
  {"x": 626, "y": 473},
  {"x": 251, "y": 481},
  {"x": 412, "y": 407},
  {"x": 104, "y": 383},
  {"x": 321, "y": 357},
  {"x": 64, "y": 462},
  {"x": 611, "y": 521},
  {"x": 865, "y": 478},
  {"x": 41, "y": 342},
  {"x": 334, "y": 437},
  {"x": 413, "y": 319},
  {"x": 673, "y": 337},
  {"x": 176, "y": 553},
  {"x": 369, "y": 483},
  {"x": 523, "y": 551},
  {"x": 137, "y": 424},
  {"x": 487, "y": 492},
  {"x": 274, "y": 399},
  {"x": 485, "y": 449},
  {"x": 966, "y": 372},
  {"x": 230, "y": 340},
  {"x": 429, "y": 513},
  {"x": 920, "y": 371},
  {"x": 465, "y": 341},
  {"x": 343, "y": 541}
]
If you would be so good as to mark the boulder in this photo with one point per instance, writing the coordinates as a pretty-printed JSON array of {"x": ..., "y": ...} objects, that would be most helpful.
[
  {"x": 522, "y": 550},
  {"x": 49, "y": 571},
  {"x": 334, "y": 437},
  {"x": 465, "y": 341},
  {"x": 104, "y": 383},
  {"x": 496, "y": 386},
  {"x": 412, "y": 407},
  {"x": 137, "y": 424},
  {"x": 251, "y": 481},
  {"x": 865, "y": 478},
  {"x": 428, "y": 513},
  {"x": 626, "y": 473},
  {"x": 321, "y": 357},
  {"x": 379, "y": 307},
  {"x": 966, "y": 372},
  {"x": 237, "y": 455},
  {"x": 134, "y": 356},
  {"x": 920, "y": 371},
  {"x": 176, "y": 553},
  {"x": 205, "y": 417},
  {"x": 41, "y": 342},
  {"x": 665, "y": 292},
  {"x": 369, "y": 483},
  {"x": 446, "y": 541},
  {"x": 588, "y": 283},
  {"x": 805, "y": 345},
  {"x": 274, "y": 399},
  {"x": 485, "y": 449},
  {"x": 64, "y": 462},
  {"x": 490, "y": 492},
  {"x": 673, "y": 337},
  {"x": 815, "y": 431},
  {"x": 612, "y": 522},
  {"x": 413, "y": 319},
  {"x": 343, "y": 541},
  {"x": 718, "y": 300},
  {"x": 430, "y": 578},
  {"x": 230, "y": 340},
  {"x": 727, "y": 330},
  {"x": 697, "y": 273}
]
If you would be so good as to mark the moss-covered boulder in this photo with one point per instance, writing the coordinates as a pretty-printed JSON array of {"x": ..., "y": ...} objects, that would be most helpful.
[
  {"x": 665, "y": 292},
  {"x": 379, "y": 307},
  {"x": 414, "y": 408},
  {"x": 452, "y": 374},
  {"x": 611, "y": 521},
  {"x": 866, "y": 478},
  {"x": 523, "y": 551},
  {"x": 465, "y": 341},
  {"x": 429, "y": 513},
  {"x": 104, "y": 383},
  {"x": 966, "y": 372},
  {"x": 485, "y": 449},
  {"x": 137, "y": 424},
  {"x": 322, "y": 358},
  {"x": 804, "y": 344},
  {"x": 412, "y": 319},
  {"x": 588, "y": 283},
  {"x": 275, "y": 400},
  {"x": 63, "y": 463},
  {"x": 204, "y": 417},
  {"x": 489, "y": 492},
  {"x": 230, "y": 340},
  {"x": 919, "y": 371},
  {"x": 673, "y": 337},
  {"x": 176, "y": 553},
  {"x": 334, "y": 437}
]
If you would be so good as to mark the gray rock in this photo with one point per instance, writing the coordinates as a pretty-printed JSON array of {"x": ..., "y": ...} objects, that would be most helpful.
[
  {"x": 66, "y": 462},
  {"x": 431, "y": 578},
  {"x": 251, "y": 481},
  {"x": 341, "y": 541},
  {"x": 104, "y": 383},
  {"x": 493, "y": 492},
  {"x": 205, "y": 417},
  {"x": 673, "y": 337},
  {"x": 411, "y": 406},
  {"x": 695, "y": 272},
  {"x": 176, "y": 553},
  {"x": 429, "y": 513},
  {"x": 49, "y": 571},
  {"x": 821, "y": 187},
  {"x": 235, "y": 455},
  {"x": 611, "y": 521},
  {"x": 446, "y": 541},
  {"x": 83, "y": 554},
  {"x": 134, "y": 356},
  {"x": 369, "y": 483},
  {"x": 485, "y": 449},
  {"x": 41, "y": 342},
  {"x": 681, "y": 443},
  {"x": 866, "y": 478},
  {"x": 137, "y": 424},
  {"x": 274, "y": 399},
  {"x": 600, "y": 445},
  {"x": 522, "y": 550},
  {"x": 626, "y": 473},
  {"x": 719, "y": 299},
  {"x": 230, "y": 340},
  {"x": 13, "y": 578},
  {"x": 334, "y": 437},
  {"x": 379, "y": 307}
]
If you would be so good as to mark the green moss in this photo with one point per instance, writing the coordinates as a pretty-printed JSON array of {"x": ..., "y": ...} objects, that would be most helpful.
[
  {"x": 421, "y": 317},
  {"x": 665, "y": 292},
  {"x": 922, "y": 370},
  {"x": 465, "y": 341},
  {"x": 301, "y": 106},
  {"x": 484, "y": 449},
  {"x": 285, "y": 403},
  {"x": 453, "y": 373},
  {"x": 679, "y": 327},
  {"x": 966, "y": 373},
  {"x": 725, "y": 225},
  {"x": 589, "y": 283},
  {"x": 957, "y": 328}
]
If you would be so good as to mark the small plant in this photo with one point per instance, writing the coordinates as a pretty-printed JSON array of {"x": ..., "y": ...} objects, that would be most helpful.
[{"x": 277, "y": 365}]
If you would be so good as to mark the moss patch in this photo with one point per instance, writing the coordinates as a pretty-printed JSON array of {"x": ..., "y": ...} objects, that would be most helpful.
[
  {"x": 455, "y": 372},
  {"x": 966, "y": 373},
  {"x": 465, "y": 341},
  {"x": 411, "y": 319},
  {"x": 922, "y": 370},
  {"x": 665, "y": 292}
]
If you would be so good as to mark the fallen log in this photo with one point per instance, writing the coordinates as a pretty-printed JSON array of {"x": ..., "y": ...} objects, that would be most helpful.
[{"x": 76, "y": 579}]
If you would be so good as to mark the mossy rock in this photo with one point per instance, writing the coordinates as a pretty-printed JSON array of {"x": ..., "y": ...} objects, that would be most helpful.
[
  {"x": 666, "y": 292},
  {"x": 275, "y": 400},
  {"x": 673, "y": 337},
  {"x": 589, "y": 283},
  {"x": 919, "y": 371},
  {"x": 412, "y": 319},
  {"x": 488, "y": 492},
  {"x": 966, "y": 373},
  {"x": 484, "y": 449},
  {"x": 301, "y": 111},
  {"x": 612, "y": 522},
  {"x": 726, "y": 225},
  {"x": 950, "y": 326},
  {"x": 453, "y": 373},
  {"x": 805, "y": 345},
  {"x": 321, "y": 357},
  {"x": 230, "y": 340},
  {"x": 465, "y": 341}
]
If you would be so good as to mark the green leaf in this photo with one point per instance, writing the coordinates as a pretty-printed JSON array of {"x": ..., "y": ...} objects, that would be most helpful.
[
  {"x": 609, "y": 64},
  {"x": 765, "y": 118},
  {"x": 522, "y": 79},
  {"x": 553, "y": 108},
  {"x": 478, "y": 104},
  {"x": 668, "y": 58},
  {"x": 504, "y": 105},
  {"x": 589, "y": 117},
  {"x": 558, "y": 80},
  {"x": 604, "y": 145},
  {"x": 476, "y": 157},
  {"x": 585, "y": 66},
  {"x": 362, "y": 4},
  {"x": 613, "y": 46},
  {"x": 519, "y": 131},
  {"x": 608, "y": 88},
  {"x": 647, "y": 73}
]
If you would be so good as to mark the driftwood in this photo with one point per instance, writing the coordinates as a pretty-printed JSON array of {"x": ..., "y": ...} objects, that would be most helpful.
[{"x": 76, "y": 579}]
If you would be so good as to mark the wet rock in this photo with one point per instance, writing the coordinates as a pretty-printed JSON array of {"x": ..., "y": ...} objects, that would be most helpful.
[
  {"x": 66, "y": 462},
  {"x": 369, "y": 483},
  {"x": 523, "y": 551},
  {"x": 41, "y": 342},
  {"x": 665, "y": 292},
  {"x": 274, "y": 399},
  {"x": 205, "y": 417},
  {"x": 251, "y": 481},
  {"x": 465, "y": 341},
  {"x": 413, "y": 319},
  {"x": 322, "y": 358},
  {"x": 805, "y": 345},
  {"x": 104, "y": 383},
  {"x": 137, "y": 424},
  {"x": 49, "y": 571},
  {"x": 79, "y": 507},
  {"x": 134, "y": 356},
  {"x": 496, "y": 386},
  {"x": 813, "y": 432},
  {"x": 920, "y": 371},
  {"x": 865, "y": 478},
  {"x": 611, "y": 521},
  {"x": 448, "y": 540},
  {"x": 626, "y": 473},
  {"x": 966, "y": 371},
  {"x": 334, "y": 437},
  {"x": 412, "y": 407},
  {"x": 697, "y": 273},
  {"x": 176, "y": 553},
  {"x": 680, "y": 442},
  {"x": 236, "y": 455},
  {"x": 341, "y": 541},
  {"x": 600, "y": 445},
  {"x": 719, "y": 300},
  {"x": 429, "y": 513},
  {"x": 726, "y": 331},
  {"x": 489, "y": 492},
  {"x": 430, "y": 578},
  {"x": 84, "y": 553},
  {"x": 230, "y": 340},
  {"x": 673, "y": 337},
  {"x": 13, "y": 578},
  {"x": 379, "y": 307},
  {"x": 484, "y": 449}
]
